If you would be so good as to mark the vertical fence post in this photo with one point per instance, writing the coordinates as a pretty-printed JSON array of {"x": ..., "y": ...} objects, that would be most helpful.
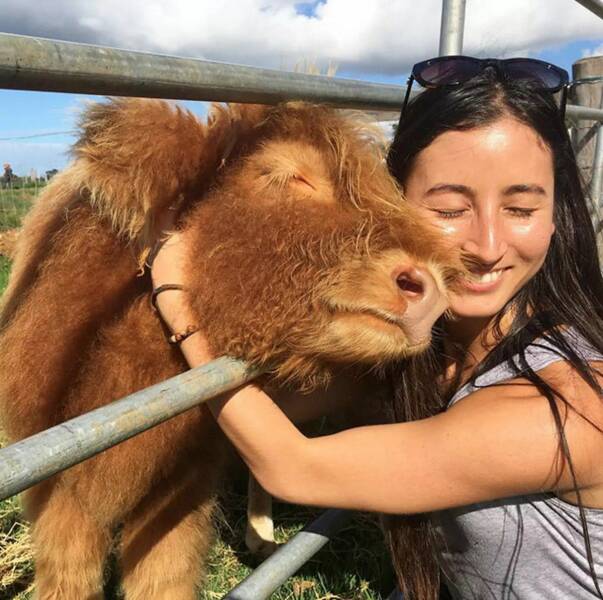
[
  {"x": 596, "y": 181},
  {"x": 452, "y": 27},
  {"x": 588, "y": 135}
]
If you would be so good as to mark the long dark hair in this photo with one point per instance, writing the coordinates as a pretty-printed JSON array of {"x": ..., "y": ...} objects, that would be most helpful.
[{"x": 567, "y": 290}]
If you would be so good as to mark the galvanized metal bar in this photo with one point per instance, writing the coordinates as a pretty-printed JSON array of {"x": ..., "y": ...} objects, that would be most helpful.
[
  {"x": 38, "y": 457},
  {"x": 584, "y": 112},
  {"x": 595, "y": 6},
  {"x": 290, "y": 557},
  {"x": 452, "y": 28},
  {"x": 29, "y": 63}
]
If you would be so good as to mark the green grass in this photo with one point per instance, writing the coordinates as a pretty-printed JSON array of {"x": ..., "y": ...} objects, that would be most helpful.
[
  {"x": 4, "y": 271},
  {"x": 14, "y": 204},
  {"x": 354, "y": 566}
]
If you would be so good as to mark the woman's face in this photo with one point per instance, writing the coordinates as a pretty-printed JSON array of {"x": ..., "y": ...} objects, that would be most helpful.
[{"x": 490, "y": 190}]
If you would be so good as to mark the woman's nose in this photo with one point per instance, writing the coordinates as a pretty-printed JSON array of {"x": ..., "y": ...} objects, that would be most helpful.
[{"x": 486, "y": 240}]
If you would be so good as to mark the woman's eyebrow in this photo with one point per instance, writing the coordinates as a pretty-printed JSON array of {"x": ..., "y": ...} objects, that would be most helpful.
[
  {"x": 525, "y": 188},
  {"x": 456, "y": 188}
]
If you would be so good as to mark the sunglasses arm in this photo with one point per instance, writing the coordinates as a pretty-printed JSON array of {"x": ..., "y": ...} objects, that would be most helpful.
[
  {"x": 406, "y": 97},
  {"x": 563, "y": 101}
]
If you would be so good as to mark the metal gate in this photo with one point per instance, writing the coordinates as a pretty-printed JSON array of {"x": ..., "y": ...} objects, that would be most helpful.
[{"x": 28, "y": 63}]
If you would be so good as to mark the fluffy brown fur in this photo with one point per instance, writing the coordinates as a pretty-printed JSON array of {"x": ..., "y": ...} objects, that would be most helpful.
[{"x": 294, "y": 228}]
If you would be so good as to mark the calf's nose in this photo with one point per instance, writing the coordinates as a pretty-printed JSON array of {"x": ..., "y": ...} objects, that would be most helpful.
[
  {"x": 425, "y": 302},
  {"x": 411, "y": 282}
]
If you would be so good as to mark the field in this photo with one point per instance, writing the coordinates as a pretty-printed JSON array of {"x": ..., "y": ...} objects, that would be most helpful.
[{"x": 354, "y": 566}]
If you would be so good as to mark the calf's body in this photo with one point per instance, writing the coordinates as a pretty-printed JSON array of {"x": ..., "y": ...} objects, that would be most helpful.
[{"x": 302, "y": 258}]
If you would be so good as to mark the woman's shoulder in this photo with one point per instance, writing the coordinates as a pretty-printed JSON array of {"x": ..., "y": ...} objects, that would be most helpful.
[
  {"x": 554, "y": 352},
  {"x": 546, "y": 349}
]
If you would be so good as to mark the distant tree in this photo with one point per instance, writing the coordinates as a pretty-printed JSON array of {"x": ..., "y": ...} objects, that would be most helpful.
[
  {"x": 8, "y": 176},
  {"x": 50, "y": 174}
]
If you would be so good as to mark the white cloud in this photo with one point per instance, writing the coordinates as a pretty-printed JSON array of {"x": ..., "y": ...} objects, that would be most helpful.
[
  {"x": 597, "y": 51},
  {"x": 379, "y": 36}
]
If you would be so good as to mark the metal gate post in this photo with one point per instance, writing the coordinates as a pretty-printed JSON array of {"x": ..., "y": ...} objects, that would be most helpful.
[
  {"x": 596, "y": 181},
  {"x": 452, "y": 27}
]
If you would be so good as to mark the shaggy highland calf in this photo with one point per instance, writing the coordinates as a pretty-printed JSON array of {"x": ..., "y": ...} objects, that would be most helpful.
[{"x": 302, "y": 257}]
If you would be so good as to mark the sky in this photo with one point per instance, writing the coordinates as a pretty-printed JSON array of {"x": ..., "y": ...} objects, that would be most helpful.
[{"x": 372, "y": 40}]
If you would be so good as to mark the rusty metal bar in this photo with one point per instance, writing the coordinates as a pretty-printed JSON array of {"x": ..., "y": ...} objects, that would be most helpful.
[{"x": 38, "y": 457}]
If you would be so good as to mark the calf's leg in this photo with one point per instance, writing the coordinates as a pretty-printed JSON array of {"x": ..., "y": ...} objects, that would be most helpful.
[
  {"x": 259, "y": 535},
  {"x": 166, "y": 539},
  {"x": 70, "y": 546}
]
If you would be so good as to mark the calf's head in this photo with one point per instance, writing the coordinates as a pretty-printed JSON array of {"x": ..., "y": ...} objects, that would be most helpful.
[{"x": 304, "y": 255}]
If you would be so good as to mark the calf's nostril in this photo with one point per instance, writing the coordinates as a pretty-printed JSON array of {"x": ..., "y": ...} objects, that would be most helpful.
[{"x": 409, "y": 284}]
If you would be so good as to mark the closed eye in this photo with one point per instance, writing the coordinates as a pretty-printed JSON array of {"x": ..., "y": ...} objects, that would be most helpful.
[
  {"x": 521, "y": 212},
  {"x": 300, "y": 179},
  {"x": 448, "y": 214},
  {"x": 295, "y": 167}
]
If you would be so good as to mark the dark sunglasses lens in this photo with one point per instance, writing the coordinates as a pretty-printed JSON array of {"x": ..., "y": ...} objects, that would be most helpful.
[
  {"x": 543, "y": 75},
  {"x": 448, "y": 71}
]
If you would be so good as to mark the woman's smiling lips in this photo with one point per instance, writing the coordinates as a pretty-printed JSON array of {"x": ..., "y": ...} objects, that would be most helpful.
[{"x": 484, "y": 282}]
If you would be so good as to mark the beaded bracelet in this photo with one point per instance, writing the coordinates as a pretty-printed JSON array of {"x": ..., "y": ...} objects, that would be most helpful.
[{"x": 176, "y": 338}]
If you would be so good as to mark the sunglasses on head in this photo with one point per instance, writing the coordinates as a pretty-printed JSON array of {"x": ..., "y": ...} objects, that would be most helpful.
[{"x": 456, "y": 70}]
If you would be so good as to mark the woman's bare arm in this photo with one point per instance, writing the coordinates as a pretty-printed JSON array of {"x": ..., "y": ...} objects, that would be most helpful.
[{"x": 499, "y": 442}]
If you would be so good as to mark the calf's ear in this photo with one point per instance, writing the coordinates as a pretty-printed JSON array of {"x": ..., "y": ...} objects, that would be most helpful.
[{"x": 136, "y": 158}]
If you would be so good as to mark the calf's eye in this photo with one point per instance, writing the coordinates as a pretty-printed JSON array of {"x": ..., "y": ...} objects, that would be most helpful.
[{"x": 302, "y": 181}]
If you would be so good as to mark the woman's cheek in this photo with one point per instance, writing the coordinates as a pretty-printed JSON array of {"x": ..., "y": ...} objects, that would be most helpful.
[
  {"x": 454, "y": 230},
  {"x": 531, "y": 240}
]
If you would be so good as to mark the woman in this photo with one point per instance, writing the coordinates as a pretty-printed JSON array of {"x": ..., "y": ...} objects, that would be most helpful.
[{"x": 496, "y": 464}]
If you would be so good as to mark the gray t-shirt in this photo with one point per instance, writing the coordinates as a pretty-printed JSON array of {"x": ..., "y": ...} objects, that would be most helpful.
[{"x": 526, "y": 547}]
